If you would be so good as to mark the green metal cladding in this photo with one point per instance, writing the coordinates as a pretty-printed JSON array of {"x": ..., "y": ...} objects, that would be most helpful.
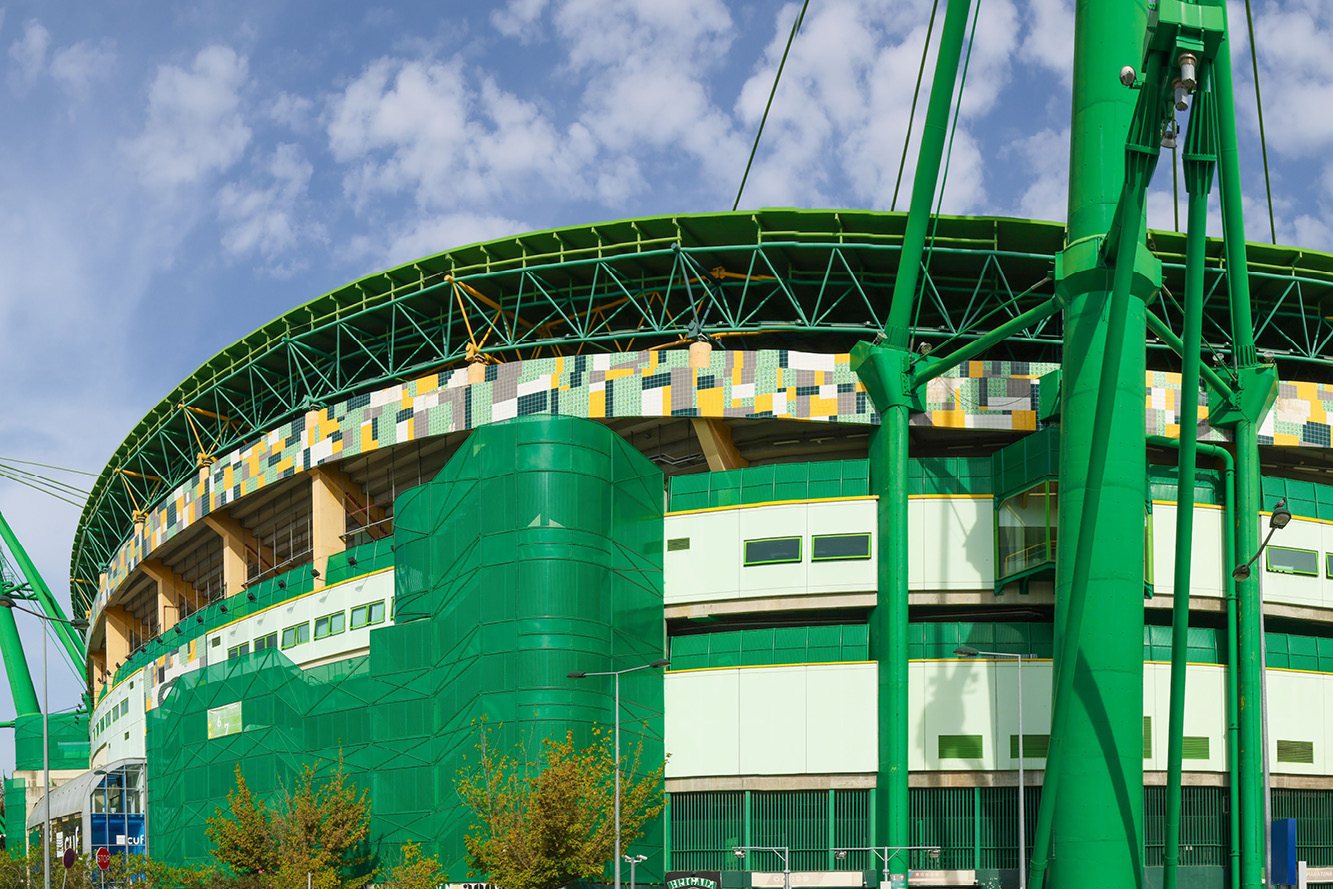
[{"x": 536, "y": 551}]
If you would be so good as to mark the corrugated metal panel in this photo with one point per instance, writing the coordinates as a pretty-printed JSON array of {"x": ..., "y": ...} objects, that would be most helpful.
[{"x": 1313, "y": 811}]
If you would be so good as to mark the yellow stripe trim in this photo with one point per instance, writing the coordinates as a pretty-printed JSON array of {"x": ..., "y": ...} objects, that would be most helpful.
[
  {"x": 770, "y": 503},
  {"x": 764, "y": 666}
]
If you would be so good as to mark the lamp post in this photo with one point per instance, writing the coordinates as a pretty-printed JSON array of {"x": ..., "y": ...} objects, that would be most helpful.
[
  {"x": 1277, "y": 520},
  {"x": 8, "y": 602},
  {"x": 967, "y": 651},
  {"x": 582, "y": 674},
  {"x": 886, "y": 854},
  {"x": 783, "y": 852},
  {"x": 633, "y": 860}
]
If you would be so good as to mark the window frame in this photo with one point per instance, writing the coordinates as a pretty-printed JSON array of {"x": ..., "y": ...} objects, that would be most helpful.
[
  {"x": 815, "y": 538},
  {"x": 270, "y": 640},
  {"x": 235, "y": 651},
  {"x": 328, "y": 620},
  {"x": 367, "y": 611},
  {"x": 298, "y": 640},
  {"x": 1268, "y": 560},
  {"x": 745, "y": 551}
]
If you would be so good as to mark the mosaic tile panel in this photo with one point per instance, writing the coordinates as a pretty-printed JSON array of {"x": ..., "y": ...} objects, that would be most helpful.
[{"x": 817, "y": 387}]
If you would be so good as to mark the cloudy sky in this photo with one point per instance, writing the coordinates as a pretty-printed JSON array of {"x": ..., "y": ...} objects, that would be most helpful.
[{"x": 174, "y": 175}]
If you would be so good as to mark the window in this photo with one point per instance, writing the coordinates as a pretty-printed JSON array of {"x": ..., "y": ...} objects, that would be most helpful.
[
  {"x": 239, "y": 651},
  {"x": 839, "y": 547},
  {"x": 269, "y": 641},
  {"x": 365, "y": 615},
  {"x": 773, "y": 551},
  {"x": 330, "y": 625},
  {"x": 217, "y": 640},
  {"x": 1288, "y": 560},
  {"x": 297, "y": 635}
]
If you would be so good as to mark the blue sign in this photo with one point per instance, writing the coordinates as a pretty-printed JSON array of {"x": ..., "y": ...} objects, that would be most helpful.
[
  {"x": 119, "y": 833},
  {"x": 1284, "y": 852}
]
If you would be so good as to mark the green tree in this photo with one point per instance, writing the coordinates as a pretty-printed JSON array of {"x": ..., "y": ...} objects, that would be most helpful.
[
  {"x": 550, "y": 823},
  {"x": 316, "y": 827},
  {"x": 415, "y": 871}
]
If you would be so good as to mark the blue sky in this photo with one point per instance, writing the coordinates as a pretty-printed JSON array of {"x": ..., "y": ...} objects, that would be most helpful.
[{"x": 174, "y": 175}]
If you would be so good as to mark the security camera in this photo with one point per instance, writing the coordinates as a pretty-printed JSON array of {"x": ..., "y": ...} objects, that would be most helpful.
[{"x": 1127, "y": 75}]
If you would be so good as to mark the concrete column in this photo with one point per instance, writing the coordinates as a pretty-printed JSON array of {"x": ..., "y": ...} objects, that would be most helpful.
[
  {"x": 237, "y": 545},
  {"x": 715, "y": 439},
  {"x": 331, "y": 491},
  {"x": 117, "y": 637},
  {"x": 171, "y": 588},
  {"x": 97, "y": 679}
]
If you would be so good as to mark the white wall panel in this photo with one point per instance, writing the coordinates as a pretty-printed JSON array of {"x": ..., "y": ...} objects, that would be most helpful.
[
  {"x": 952, "y": 539},
  {"x": 1206, "y": 570}
]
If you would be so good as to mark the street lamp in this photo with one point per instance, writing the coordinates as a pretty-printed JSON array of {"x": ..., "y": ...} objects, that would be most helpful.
[
  {"x": 967, "y": 651},
  {"x": 633, "y": 860},
  {"x": 783, "y": 852},
  {"x": 1279, "y": 519},
  {"x": 581, "y": 674},
  {"x": 8, "y": 602},
  {"x": 886, "y": 854}
]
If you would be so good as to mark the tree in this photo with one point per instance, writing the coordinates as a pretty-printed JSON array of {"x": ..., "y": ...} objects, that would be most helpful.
[
  {"x": 415, "y": 871},
  {"x": 314, "y": 827},
  {"x": 550, "y": 823}
]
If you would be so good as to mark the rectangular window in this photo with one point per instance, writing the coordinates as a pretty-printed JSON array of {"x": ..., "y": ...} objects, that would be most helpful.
[
  {"x": 1288, "y": 560},
  {"x": 960, "y": 746},
  {"x": 1328, "y": 564},
  {"x": 297, "y": 635},
  {"x": 269, "y": 641},
  {"x": 330, "y": 625},
  {"x": 365, "y": 615},
  {"x": 839, "y": 547},
  {"x": 773, "y": 551},
  {"x": 239, "y": 651},
  {"x": 1301, "y": 752}
]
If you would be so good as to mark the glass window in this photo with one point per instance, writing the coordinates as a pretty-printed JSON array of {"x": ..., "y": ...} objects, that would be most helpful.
[
  {"x": 330, "y": 625},
  {"x": 269, "y": 641},
  {"x": 239, "y": 651},
  {"x": 1286, "y": 560},
  {"x": 773, "y": 551},
  {"x": 1025, "y": 529},
  {"x": 297, "y": 635},
  {"x": 364, "y": 615},
  {"x": 839, "y": 547}
]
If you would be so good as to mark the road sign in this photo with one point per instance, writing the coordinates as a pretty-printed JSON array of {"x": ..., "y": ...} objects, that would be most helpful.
[
  {"x": 103, "y": 858},
  {"x": 68, "y": 858}
]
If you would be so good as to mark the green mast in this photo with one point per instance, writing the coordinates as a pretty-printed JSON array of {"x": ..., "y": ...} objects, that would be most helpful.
[{"x": 1096, "y": 812}]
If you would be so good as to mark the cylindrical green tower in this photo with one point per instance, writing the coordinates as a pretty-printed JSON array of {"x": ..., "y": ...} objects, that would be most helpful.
[{"x": 1098, "y": 815}]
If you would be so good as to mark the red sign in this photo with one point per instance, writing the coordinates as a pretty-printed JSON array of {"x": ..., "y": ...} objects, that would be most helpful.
[
  {"x": 68, "y": 858},
  {"x": 103, "y": 858}
]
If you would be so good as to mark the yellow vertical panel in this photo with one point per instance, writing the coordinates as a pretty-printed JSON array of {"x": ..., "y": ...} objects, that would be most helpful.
[
  {"x": 709, "y": 403},
  {"x": 597, "y": 403},
  {"x": 1025, "y": 421},
  {"x": 737, "y": 364}
]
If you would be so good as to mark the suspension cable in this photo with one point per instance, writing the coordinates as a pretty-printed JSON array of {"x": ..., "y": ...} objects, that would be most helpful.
[
  {"x": 1259, "y": 103},
  {"x": 795, "y": 26},
  {"x": 916, "y": 94}
]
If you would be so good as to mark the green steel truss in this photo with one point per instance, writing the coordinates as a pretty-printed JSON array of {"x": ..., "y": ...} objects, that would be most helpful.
[{"x": 817, "y": 280}]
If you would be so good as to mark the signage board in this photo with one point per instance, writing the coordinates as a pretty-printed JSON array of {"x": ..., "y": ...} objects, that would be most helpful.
[{"x": 693, "y": 879}]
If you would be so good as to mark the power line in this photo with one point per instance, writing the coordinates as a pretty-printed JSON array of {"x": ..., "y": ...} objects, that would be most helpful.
[
  {"x": 795, "y": 26},
  {"x": 1259, "y": 103},
  {"x": 911, "y": 115}
]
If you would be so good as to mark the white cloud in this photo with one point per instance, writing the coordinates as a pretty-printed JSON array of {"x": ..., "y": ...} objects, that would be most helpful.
[
  {"x": 195, "y": 127},
  {"x": 1044, "y": 159},
  {"x": 426, "y": 128},
  {"x": 1048, "y": 35},
  {"x": 76, "y": 67},
  {"x": 27, "y": 56},
  {"x": 434, "y": 234},
  {"x": 265, "y": 220},
  {"x": 518, "y": 19},
  {"x": 292, "y": 111}
]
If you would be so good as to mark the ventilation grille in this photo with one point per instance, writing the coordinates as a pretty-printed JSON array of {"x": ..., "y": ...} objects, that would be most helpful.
[
  {"x": 1194, "y": 747},
  {"x": 1147, "y": 737},
  {"x": 1034, "y": 746},
  {"x": 960, "y": 746},
  {"x": 676, "y": 544},
  {"x": 1296, "y": 752}
]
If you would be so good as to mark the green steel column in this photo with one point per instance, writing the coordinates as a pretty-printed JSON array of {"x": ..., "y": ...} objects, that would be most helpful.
[
  {"x": 16, "y": 666},
  {"x": 884, "y": 369},
  {"x": 1199, "y": 160},
  {"x": 1250, "y": 609},
  {"x": 927, "y": 171},
  {"x": 64, "y": 632},
  {"x": 1093, "y": 790}
]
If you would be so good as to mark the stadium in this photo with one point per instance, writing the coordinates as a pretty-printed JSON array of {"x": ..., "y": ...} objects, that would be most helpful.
[{"x": 851, "y": 522}]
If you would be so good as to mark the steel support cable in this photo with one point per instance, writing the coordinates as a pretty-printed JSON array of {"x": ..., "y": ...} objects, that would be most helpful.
[
  {"x": 948, "y": 154},
  {"x": 47, "y": 491},
  {"x": 42, "y": 479},
  {"x": 916, "y": 94},
  {"x": 795, "y": 26},
  {"x": 47, "y": 466},
  {"x": 1259, "y": 104}
]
